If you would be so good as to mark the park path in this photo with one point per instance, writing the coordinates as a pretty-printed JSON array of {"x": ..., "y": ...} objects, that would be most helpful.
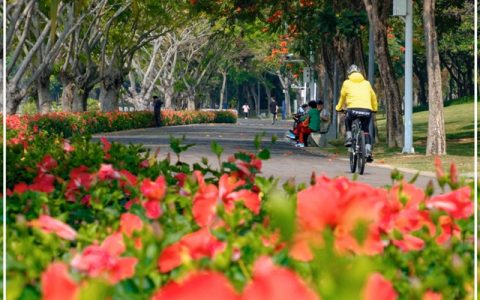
[{"x": 286, "y": 161}]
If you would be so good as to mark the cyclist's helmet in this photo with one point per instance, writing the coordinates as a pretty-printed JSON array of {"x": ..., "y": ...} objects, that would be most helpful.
[{"x": 353, "y": 69}]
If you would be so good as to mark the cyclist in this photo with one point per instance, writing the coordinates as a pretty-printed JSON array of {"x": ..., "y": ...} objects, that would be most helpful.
[{"x": 360, "y": 99}]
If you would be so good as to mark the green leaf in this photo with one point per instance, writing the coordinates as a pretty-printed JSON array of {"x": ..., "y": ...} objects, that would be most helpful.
[
  {"x": 264, "y": 154},
  {"x": 258, "y": 140},
  {"x": 95, "y": 289},
  {"x": 412, "y": 181},
  {"x": 282, "y": 211},
  {"x": 216, "y": 148}
]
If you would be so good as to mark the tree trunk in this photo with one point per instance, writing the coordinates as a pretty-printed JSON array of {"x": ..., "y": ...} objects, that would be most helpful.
[
  {"x": 109, "y": 98},
  {"x": 67, "y": 96},
  {"x": 222, "y": 91},
  {"x": 191, "y": 101},
  {"x": 110, "y": 90},
  {"x": 14, "y": 98},
  {"x": 378, "y": 12},
  {"x": 269, "y": 96},
  {"x": 44, "y": 96},
  {"x": 436, "y": 144},
  {"x": 168, "y": 94},
  {"x": 80, "y": 96},
  {"x": 419, "y": 70}
]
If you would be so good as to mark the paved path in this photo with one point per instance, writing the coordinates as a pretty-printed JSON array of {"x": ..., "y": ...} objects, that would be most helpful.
[{"x": 286, "y": 161}]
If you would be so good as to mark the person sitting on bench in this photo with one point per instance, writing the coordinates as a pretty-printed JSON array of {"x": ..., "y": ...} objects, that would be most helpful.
[{"x": 309, "y": 123}]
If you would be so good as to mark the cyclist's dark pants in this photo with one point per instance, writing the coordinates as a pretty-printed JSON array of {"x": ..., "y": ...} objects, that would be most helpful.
[{"x": 359, "y": 113}]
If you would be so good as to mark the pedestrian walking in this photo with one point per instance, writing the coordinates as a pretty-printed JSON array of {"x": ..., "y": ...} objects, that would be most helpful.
[
  {"x": 273, "y": 110},
  {"x": 157, "y": 105},
  {"x": 246, "y": 109}
]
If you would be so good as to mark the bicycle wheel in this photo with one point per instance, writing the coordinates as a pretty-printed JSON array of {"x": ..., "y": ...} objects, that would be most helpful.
[
  {"x": 361, "y": 153},
  {"x": 353, "y": 156}
]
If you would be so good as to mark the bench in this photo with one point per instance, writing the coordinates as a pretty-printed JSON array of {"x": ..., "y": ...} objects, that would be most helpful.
[{"x": 317, "y": 139}]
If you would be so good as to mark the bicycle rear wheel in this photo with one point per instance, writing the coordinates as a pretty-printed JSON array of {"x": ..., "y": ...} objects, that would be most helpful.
[
  {"x": 361, "y": 154},
  {"x": 353, "y": 157}
]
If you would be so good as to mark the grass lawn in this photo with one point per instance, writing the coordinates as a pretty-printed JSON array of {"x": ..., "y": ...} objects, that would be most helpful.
[{"x": 459, "y": 121}]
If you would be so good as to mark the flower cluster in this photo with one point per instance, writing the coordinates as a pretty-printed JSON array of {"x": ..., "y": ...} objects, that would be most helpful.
[{"x": 105, "y": 221}]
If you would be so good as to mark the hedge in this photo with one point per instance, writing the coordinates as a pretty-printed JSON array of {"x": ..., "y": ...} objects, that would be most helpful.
[{"x": 69, "y": 124}]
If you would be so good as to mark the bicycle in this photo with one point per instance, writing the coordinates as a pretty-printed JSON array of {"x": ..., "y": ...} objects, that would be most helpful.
[{"x": 357, "y": 150}]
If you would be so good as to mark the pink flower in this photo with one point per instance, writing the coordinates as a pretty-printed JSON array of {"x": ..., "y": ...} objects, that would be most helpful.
[
  {"x": 67, "y": 147},
  {"x": 51, "y": 225},
  {"x": 457, "y": 203},
  {"x": 105, "y": 261},
  {"x": 409, "y": 243},
  {"x": 57, "y": 284},
  {"x": 378, "y": 287},
  {"x": 107, "y": 172}
]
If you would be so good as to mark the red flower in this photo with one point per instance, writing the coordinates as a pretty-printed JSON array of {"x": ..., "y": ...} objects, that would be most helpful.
[
  {"x": 152, "y": 209},
  {"x": 429, "y": 295},
  {"x": 105, "y": 260},
  {"x": 106, "y": 144},
  {"x": 209, "y": 196},
  {"x": 204, "y": 202},
  {"x": 226, "y": 186},
  {"x": 47, "y": 164},
  {"x": 449, "y": 228},
  {"x": 378, "y": 287},
  {"x": 127, "y": 179},
  {"x": 170, "y": 258},
  {"x": 196, "y": 245},
  {"x": 57, "y": 284},
  {"x": 107, "y": 172},
  {"x": 456, "y": 203},
  {"x": 181, "y": 177},
  {"x": 275, "y": 283},
  {"x": 49, "y": 225},
  {"x": 154, "y": 190},
  {"x": 43, "y": 183},
  {"x": 341, "y": 205},
  {"x": 130, "y": 223},
  {"x": 19, "y": 188},
  {"x": 453, "y": 173},
  {"x": 439, "y": 168},
  {"x": 106, "y": 147},
  {"x": 199, "y": 286},
  {"x": 80, "y": 178}
]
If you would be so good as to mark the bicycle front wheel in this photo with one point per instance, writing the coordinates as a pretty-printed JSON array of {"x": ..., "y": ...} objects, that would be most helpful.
[{"x": 361, "y": 155}]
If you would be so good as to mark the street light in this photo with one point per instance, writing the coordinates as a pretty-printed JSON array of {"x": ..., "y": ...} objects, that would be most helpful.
[{"x": 404, "y": 8}]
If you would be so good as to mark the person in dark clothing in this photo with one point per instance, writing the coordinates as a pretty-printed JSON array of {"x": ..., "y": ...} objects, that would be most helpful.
[
  {"x": 157, "y": 105},
  {"x": 274, "y": 109}
]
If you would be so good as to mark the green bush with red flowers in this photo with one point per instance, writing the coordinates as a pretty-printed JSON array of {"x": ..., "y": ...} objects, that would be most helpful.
[
  {"x": 70, "y": 124},
  {"x": 107, "y": 221}
]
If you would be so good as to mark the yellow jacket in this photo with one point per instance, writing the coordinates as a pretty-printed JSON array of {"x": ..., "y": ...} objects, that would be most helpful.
[{"x": 358, "y": 93}]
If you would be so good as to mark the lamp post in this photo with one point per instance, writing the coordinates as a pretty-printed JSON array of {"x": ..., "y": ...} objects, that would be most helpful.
[
  {"x": 404, "y": 8},
  {"x": 371, "y": 73},
  {"x": 408, "y": 145}
]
